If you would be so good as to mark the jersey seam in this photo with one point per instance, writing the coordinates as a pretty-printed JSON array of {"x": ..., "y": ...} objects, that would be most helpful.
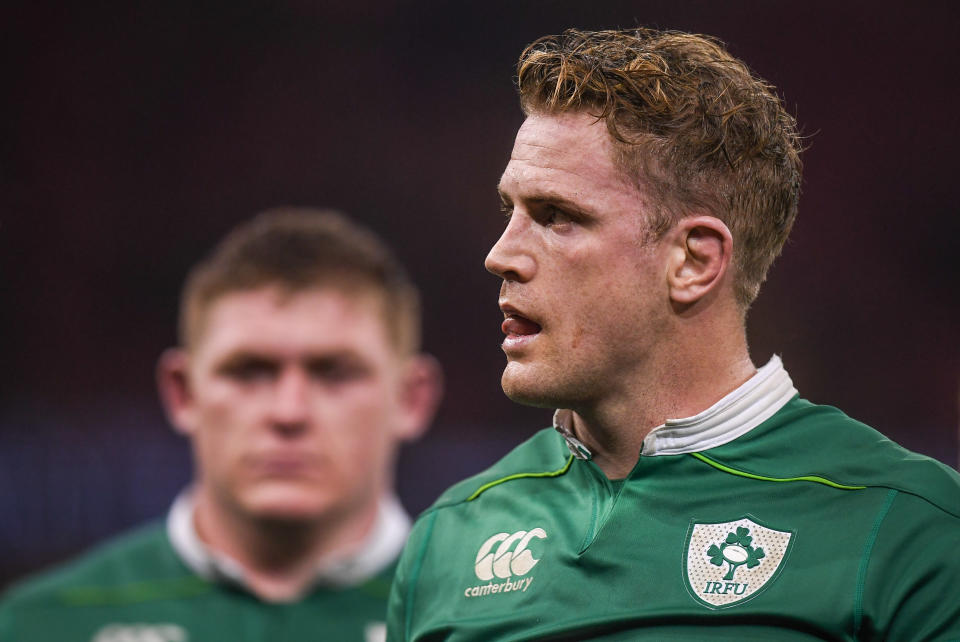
[
  {"x": 825, "y": 481},
  {"x": 550, "y": 473},
  {"x": 865, "y": 561},
  {"x": 415, "y": 575},
  {"x": 599, "y": 521},
  {"x": 588, "y": 536},
  {"x": 926, "y": 500},
  {"x": 740, "y": 473}
]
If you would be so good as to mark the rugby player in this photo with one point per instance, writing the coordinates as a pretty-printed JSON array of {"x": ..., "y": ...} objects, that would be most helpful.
[
  {"x": 683, "y": 491},
  {"x": 298, "y": 376}
]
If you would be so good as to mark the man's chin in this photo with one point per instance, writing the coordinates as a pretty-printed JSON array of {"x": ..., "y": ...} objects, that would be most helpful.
[{"x": 521, "y": 386}]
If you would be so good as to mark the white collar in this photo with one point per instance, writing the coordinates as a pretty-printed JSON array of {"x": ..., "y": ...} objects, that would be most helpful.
[
  {"x": 758, "y": 399},
  {"x": 381, "y": 547}
]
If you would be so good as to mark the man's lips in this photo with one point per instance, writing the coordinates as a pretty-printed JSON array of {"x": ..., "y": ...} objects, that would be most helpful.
[
  {"x": 520, "y": 330},
  {"x": 281, "y": 464},
  {"x": 516, "y": 325}
]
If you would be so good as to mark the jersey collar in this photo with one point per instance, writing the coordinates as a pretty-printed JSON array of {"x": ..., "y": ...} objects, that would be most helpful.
[
  {"x": 758, "y": 399},
  {"x": 382, "y": 546}
]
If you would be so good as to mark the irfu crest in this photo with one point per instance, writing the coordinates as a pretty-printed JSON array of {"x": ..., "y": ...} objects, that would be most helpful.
[
  {"x": 727, "y": 563},
  {"x": 736, "y": 551}
]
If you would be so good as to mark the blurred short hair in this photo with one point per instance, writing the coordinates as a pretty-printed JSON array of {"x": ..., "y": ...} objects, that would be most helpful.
[
  {"x": 298, "y": 249},
  {"x": 691, "y": 125}
]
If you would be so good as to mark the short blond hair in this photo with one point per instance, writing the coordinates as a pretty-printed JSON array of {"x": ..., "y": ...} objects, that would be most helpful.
[
  {"x": 299, "y": 249},
  {"x": 690, "y": 123}
]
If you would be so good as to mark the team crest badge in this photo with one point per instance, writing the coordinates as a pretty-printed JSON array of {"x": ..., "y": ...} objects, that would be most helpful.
[{"x": 727, "y": 563}]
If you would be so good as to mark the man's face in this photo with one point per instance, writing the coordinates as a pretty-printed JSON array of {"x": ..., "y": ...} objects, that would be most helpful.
[
  {"x": 293, "y": 402},
  {"x": 584, "y": 294}
]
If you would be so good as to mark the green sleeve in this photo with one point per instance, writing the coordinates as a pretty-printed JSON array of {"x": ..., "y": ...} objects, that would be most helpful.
[
  {"x": 6, "y": 623},
  {"x": 397, "y": 601},
  {"x": 910, "y": 576},
  {"x": 400, "y": 607},
  {"x": 399, "y": 604}
]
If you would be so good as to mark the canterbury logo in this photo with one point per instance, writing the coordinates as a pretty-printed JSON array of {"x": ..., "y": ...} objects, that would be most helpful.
[{"x": 511, "y": 556}]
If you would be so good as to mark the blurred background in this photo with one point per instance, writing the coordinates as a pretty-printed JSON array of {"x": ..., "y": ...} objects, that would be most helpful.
[{"x": 134, "y": 135}]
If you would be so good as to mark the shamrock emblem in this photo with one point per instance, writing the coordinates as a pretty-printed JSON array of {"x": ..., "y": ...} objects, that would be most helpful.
[{"x": 736, "y": 551}]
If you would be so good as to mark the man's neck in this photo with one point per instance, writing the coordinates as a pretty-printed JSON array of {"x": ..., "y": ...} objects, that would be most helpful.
[
  {"x": 279, "y": 559},
  {"x": 614, "y": 428}
]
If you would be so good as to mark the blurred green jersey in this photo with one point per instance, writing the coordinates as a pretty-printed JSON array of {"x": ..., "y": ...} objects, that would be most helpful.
[{"x": 159, "y": 584}]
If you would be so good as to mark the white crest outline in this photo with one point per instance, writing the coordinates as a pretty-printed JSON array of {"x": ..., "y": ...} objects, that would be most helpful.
[{"x": 786, "y": 538}]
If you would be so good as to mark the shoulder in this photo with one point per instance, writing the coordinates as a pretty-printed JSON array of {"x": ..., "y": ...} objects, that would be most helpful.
[
  {"x": 542, "y": 455},
  {"x": 809, "y": 439},
  {"x": 116, "y": 563},
  {"x": 480, "y": 498},
  {"x": 468, "y": 508}
]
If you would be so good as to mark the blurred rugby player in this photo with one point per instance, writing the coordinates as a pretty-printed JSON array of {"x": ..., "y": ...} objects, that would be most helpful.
[{"x": 297, "y": 377}]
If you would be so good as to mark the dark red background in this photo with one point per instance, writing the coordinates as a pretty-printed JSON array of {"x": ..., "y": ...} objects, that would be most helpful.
[{"x": 135, "y": 134}]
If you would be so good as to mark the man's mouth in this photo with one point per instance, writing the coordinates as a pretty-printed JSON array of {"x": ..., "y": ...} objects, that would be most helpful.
[
  {"x": 281, "y": 464},
  {"x": 520, "y": 332},
  {"x": 519, "y": 329},
  {"x": 518, "y": 326}
]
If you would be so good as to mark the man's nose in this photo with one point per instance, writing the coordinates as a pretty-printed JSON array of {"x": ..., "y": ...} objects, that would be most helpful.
[
  {"x": 511, "y": 257},
  {"x": 291, "y": 400}
]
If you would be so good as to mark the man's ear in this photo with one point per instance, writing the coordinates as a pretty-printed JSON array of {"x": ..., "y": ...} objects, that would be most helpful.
[
  {"x": 422, "y": 389},
  {"x": 173, "y": 384},
  {"x": 700, "y": 255}
]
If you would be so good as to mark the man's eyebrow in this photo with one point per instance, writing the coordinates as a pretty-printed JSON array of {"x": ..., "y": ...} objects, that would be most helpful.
[
  {"x": 335, "y": 355},
  {"x": 241, "y": 355},
  {"x": 239, "y": 360},
  {"x": 546, "y": 196}
]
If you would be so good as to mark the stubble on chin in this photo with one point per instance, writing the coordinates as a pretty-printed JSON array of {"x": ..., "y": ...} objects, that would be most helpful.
[{"x": 530, "y": 388}]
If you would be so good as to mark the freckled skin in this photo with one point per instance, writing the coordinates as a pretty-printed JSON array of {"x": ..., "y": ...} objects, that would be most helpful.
[
  {"x": 577, "y": 337},
  {"x": 573, "y": 258}
]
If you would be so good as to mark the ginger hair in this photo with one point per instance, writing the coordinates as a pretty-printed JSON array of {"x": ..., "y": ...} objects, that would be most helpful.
[
  {"x": 298, "y": 249},
  {"x": 691, "y": 125}
]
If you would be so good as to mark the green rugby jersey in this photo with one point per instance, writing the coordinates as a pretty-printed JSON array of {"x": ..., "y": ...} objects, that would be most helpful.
[
  {"x": 157, "y": 584},
  {"x": 765, "y": 518}
]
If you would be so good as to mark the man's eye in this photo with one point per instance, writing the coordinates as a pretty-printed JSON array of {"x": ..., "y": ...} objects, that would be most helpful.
[
  {"x": 250, "y": 371},
  {"x": 555, "y": 216},
  {"x": 507, "y": 210},
  {"x": 337, "y": 371}
]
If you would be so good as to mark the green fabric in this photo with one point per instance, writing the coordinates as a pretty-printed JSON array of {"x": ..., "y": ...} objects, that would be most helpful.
[
  {"x": 870, "y": 555},
  {"x": 552, "y": 473},
  {"x": 136, "y": 588},
  {"x": 809, "y": 478}
]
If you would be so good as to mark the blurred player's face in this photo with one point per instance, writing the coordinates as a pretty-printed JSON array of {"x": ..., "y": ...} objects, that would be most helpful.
[
  {"x": 295, "y": 403},
  {"x": 583, "y": 294}
]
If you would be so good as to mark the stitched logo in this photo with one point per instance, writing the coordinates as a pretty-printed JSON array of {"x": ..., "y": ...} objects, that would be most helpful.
[
  {"x": 727, "y": 563},
  {"x": 507, "y": 560},
  {"x": 505, "y": 556}
]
